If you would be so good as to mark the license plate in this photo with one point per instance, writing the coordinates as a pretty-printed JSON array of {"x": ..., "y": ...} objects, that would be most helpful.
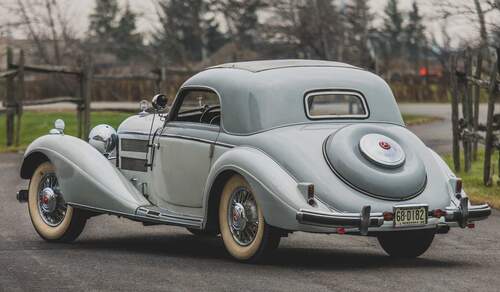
[{"x": 410, "y": 215}]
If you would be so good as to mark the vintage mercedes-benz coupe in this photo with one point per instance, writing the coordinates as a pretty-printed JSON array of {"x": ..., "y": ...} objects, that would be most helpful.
[{"x": 254, "y": 151}]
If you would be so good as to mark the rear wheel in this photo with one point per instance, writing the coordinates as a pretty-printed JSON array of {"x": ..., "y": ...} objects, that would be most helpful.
[
  {"x": 247, "y": 237},
  {"x": 52, "y": 218},
  {"x": 406, "y": 244}
]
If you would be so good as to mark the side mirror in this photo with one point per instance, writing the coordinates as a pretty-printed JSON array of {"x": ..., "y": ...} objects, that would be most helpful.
[{"x": 159, "y": 102}]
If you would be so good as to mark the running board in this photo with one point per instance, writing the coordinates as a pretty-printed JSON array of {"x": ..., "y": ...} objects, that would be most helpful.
[
  {"x": 150, "y": 214},
  {"x": 161, "y": 215}
]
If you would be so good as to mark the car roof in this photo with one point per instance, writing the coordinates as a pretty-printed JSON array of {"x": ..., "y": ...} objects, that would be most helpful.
[
  {"x": 261, "y": 95},
  {"x": 264, "y": 65}
]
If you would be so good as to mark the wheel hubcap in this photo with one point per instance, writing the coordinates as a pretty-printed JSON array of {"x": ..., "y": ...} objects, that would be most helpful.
[
  {"x": 51, "y": 205},
  {"x": 243, "y": 216}
]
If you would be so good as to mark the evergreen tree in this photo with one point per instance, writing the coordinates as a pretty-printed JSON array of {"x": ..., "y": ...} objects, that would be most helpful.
[
  {"x": 393, "y": 28},
  {"x": 103, "y": 20},
  {"x": 241, "y": 18},
  {"x": 214, "y": 38},
  {"x": 114, "y": 32},
  {"x": 322, "y": 29},
  {"x": 415, "y": 39},
  {"x": 128, "y": 42},
  {"x": 180, "y": 37},
  {"x": 359, "y": 19}
]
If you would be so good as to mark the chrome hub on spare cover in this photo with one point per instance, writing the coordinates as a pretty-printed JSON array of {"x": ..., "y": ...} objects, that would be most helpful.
[
  {"x": 243, "y": 216},
  {"x": 382, "y": 150},
  {"x": 51, "y": 205}
]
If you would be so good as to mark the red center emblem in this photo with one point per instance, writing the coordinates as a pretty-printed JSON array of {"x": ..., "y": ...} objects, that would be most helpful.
[{"x": 384, "y": 145}]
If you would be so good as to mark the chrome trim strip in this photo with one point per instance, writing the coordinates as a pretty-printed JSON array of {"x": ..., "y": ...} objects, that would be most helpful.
[
  {"x": 339, "y": 219},
  {"x": 161, "y": 218},
  {"x": 186, "y": 138},
  {"x": 338, "y": 92}
]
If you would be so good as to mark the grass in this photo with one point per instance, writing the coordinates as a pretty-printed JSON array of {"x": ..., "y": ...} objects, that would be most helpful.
[
  {"x": 412, "y": 120},
  {"x": 473, "y": 181},
  {"x": 38, "y": 123},
  {"x": 35, "y": 124}
]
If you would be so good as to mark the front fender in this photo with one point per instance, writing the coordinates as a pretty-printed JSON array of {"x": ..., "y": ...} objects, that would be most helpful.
[
  {"x": 275, "y": 189},
  {"x": 85, "y": 176}
]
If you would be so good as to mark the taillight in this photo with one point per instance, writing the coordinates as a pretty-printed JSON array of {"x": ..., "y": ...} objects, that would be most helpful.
[
  {"x": 438, "y": 213},
  {"x": 388, "y": 216}
]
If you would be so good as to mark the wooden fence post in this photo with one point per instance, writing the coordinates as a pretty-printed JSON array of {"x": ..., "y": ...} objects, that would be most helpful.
[
  {"x": 10, "y": 99},
  {"x": 79, "y": 108},
  {"x": 86, "y": 96},
  {"x": 468, "y": 111},
  {"x": 20, "y": 96},
  {"x": 477, "y": 99},
  {"x": 159, "y": 82},
  {"x": 488, "y": 149},
  {"x": 454, "y": 112}
]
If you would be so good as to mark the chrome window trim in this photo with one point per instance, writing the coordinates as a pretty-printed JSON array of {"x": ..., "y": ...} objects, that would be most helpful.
[
  {"x": 179, "y": 98},
  {"x": 333, "y": 92}
]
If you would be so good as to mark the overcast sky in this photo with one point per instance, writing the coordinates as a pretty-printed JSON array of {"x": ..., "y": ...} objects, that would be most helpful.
[{"x": 458, "y": 28}]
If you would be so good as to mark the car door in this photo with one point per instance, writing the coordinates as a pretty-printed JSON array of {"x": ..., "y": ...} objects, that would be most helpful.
[{"x": 184, "y": 157}]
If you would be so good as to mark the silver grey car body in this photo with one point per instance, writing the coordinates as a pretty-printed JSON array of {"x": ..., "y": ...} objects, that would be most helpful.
[{"x": 267, "y": 136}]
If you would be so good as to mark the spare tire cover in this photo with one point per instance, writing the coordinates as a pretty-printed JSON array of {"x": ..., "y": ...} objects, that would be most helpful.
[{"x": 375, "y": 162}]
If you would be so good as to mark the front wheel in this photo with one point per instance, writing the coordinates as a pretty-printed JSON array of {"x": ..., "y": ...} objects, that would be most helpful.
[
  {"x": 52, "y": 218},
  {"x": 406, "y": 244},
  {"x": 247, "y": 237}
]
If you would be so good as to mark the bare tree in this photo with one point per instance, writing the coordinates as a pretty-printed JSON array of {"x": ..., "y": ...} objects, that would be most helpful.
[
  {"x": 483, "y": 13},
  {"x": 315, "y": 28},
  {"x": 45, "y": 23}
]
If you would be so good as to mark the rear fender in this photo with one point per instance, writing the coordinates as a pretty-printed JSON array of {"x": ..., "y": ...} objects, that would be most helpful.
[
  {"x": 85, "y": 176},
  {"x": 274, "y": 188}
]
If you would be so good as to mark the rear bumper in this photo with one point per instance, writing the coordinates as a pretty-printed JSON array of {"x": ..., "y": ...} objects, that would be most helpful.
[{"x": 366, "y": 222}]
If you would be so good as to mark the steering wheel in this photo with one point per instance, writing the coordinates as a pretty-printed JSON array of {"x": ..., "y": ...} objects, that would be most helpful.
[{"x": 206, "y": 111}]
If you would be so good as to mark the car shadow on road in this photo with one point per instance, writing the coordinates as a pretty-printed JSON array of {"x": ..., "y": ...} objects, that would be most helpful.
[{"x": 199, "y": 248}]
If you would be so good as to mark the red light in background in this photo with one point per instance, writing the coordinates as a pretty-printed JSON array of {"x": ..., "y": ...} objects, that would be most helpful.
[{"x": 423, "y": 72}]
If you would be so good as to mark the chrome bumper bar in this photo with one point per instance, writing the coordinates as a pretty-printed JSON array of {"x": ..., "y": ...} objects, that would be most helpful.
[
  {"x": 461, "y": 215},
  {"x": 466, "y": 213},
  {"x": 362, "y": 220}
]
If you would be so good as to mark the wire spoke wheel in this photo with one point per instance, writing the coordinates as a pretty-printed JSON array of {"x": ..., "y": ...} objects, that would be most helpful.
[
  {"x": 246, "y": 235},
  {"x": 51, "y": 205},
  {"x": 243, "y": 217},
  {"x": 52, "y": 217}
]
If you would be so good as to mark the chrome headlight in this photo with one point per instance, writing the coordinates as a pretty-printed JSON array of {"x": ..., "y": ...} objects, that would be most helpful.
[{"x": 103, "y": 138}]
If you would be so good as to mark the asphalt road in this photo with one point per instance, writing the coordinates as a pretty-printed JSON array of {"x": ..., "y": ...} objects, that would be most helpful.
[
  {"x": 437, "y": 135},
  {"x": 120, "y": 255}
]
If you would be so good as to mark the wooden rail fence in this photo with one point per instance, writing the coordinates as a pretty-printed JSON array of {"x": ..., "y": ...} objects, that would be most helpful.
[
  {"x": 15, "y": 94},
  {"x": 15, "y": 90},
  {"x": 466, "y": 87}
]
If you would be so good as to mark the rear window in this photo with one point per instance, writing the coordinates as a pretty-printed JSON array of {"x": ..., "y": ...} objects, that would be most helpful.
[{"x": 335, "y": 104}]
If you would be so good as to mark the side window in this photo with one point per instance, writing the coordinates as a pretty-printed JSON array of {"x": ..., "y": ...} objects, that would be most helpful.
[
  {"x": 199, "y": 106},
  {"x": 335, "y": 104}
]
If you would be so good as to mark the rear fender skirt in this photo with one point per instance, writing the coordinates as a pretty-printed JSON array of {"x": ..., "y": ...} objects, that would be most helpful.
[{"x": 85, "y": 176}]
